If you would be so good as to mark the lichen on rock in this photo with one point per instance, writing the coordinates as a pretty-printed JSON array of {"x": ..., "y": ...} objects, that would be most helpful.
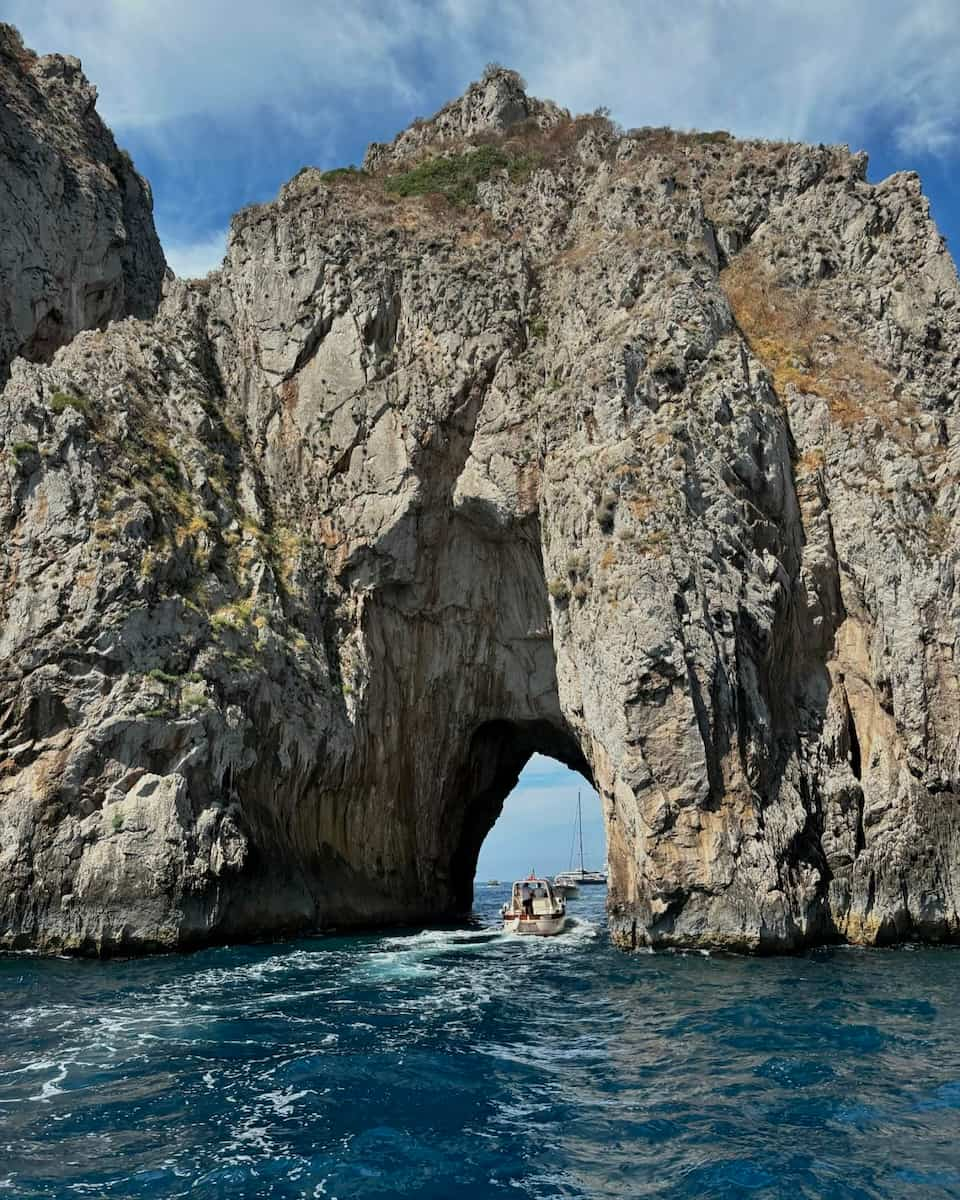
[{"x": 641, "y": 452}]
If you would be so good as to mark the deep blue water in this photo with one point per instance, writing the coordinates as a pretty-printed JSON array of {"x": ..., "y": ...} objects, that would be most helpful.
[{"x": 462, "y": 1064}]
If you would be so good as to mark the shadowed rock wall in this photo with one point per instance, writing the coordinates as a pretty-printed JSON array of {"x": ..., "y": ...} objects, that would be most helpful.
[{"x": 77, "y": 243}]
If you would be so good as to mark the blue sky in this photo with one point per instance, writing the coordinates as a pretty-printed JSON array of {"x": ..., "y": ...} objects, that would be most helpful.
[
  {"x": 219, "y": 104},
  {"x": 536, "y": 827}
]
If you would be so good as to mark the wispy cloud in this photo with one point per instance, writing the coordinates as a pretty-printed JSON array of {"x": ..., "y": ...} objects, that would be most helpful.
[
  {"x": 158, "y": 62},
  {"x": 800, "y": 68},
  {"x": 193, "y": 260}
]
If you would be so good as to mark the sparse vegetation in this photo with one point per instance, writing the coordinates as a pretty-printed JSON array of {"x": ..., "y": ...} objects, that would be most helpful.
[
  {"x": 559, "y": 589},
  {"x": 537, "y": 329},
  {"x": 148, "y": 564},
  {"x": 22, "y": 450},
  {"x": 237, "y": 616},
  {"x": 162, "y": 676},
  {"x": 60, "y": 401},
  {"x": 455, "y": 176},
  {"x": 810, "y": 462},
  {"x": 581, "y": 590},
  {"x": 803, "y": 349},
  {"x": 194, "y": 697},
  {"x": 117, "y": 821},
  {"x": 654, "y": 543},
  {"x": 495, "y": 68},
  {"x": 938, "y": 533},
  {"x": 605, "y": 510},
  {"x": 342, "y": 173}
]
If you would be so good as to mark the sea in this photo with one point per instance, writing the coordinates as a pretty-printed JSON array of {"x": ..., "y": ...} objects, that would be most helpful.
[{"x": 460, "y": 1063}]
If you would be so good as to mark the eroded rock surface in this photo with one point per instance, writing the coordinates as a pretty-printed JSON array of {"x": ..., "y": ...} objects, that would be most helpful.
[
  {"x": 77, "y": 244},
  {"x": 647, "y": 459}
]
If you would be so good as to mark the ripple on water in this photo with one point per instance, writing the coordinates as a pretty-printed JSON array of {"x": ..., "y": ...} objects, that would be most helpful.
[{"x": 464, "y": 1062}]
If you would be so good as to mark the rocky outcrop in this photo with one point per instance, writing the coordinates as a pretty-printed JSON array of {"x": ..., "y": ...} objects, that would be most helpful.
[
  {"x": 642, "y": 455},
  {"x": 492, "y": 105},
  {"x": 77, "y": 243}
]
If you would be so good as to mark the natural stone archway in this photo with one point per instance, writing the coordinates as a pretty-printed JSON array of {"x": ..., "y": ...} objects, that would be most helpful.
[
  {"x": 644, "y": 457},
  {"x": 498, "y": 752}
]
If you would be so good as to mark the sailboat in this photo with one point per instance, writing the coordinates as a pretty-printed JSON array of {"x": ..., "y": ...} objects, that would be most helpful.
[{"x": 582, "y": 877}]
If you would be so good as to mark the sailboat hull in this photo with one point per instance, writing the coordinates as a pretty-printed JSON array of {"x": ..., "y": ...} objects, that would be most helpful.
[{"x": 565, "y": 891}]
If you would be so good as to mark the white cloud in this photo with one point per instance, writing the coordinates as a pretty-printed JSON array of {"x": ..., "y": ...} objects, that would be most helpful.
[
  {"x": 193, "y": 260},
  {"x": 808, "y": 69},
  {"x": 537, "y": 823},
  {"x": 815, "y": 69},
  {"x": 156, "y": 63}
]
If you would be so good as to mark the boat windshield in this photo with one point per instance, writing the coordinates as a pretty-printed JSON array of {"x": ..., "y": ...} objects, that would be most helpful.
[{"x": 536, "y": 889}]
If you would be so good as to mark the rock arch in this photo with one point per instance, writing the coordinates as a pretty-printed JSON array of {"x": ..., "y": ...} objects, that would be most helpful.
[{"x": 298, "y": 571}]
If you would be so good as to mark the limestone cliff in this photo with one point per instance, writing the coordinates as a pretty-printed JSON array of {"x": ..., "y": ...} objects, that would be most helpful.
[
  {"x": 77, "y": 243},
  {"x": 637, "y": 449}
]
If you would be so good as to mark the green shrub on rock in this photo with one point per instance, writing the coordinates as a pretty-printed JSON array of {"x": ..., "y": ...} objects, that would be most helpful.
[
  {"x": 60, "y": 401},
  {"x": 559, "y": 589},
  {"x": 455, "y": 177}
]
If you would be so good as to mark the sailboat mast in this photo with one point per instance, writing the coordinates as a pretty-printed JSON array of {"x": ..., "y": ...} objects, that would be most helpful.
[{"x": 580, "y": 827}]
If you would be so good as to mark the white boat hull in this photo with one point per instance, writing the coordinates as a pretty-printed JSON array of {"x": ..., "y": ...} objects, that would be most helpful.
[
  {"x": 543, "y": 926},
  {"x": 565, "y": 890}
]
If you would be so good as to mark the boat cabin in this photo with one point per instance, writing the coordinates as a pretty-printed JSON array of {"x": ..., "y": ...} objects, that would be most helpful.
[{"x": 540, "y": 892}]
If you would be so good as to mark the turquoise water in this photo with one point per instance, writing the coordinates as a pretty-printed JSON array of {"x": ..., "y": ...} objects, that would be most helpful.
[{"x": 461, "y": 1063}]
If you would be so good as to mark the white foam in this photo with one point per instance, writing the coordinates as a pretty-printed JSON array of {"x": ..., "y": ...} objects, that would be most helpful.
[
  {"x": 50, "y": 1087},
  {"x": 284, "y": 1100}
]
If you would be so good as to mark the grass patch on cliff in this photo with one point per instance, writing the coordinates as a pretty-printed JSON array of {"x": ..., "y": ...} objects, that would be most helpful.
[
  {"x": 61, "y": 401},
  {"x": 162, "y": 676},
  {"x": 559, "y": 589},
  {"x": 804, "y": 349},
  {"x": 194, "y": 698},
  {"x": 939, "y": 534},
  {"x": 237, "y": 616},
  {"x": 455, "y": 176},
  {"x": 343, "y": 174}
]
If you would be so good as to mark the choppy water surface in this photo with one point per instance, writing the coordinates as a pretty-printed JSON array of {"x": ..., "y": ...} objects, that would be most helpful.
[{"x": 462, "y": 1063}]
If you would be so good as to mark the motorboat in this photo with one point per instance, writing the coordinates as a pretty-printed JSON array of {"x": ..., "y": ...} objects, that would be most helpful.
[
  {"x": 565, "y": 889},
  {"x": 573, "y": 878},
  {"x": 534, "y": 908}
]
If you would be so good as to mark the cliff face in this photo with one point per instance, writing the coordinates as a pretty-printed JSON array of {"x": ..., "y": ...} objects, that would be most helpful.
[
  {"x": 642, "y": 454},
  {"x": 77, "y": 243}
]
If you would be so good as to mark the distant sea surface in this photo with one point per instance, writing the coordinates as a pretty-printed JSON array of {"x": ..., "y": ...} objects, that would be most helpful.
[{"x": 461, "y": 1063}]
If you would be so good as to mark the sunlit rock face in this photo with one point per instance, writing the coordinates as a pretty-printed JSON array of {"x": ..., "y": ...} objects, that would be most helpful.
[{"x": 642, "y": 454}]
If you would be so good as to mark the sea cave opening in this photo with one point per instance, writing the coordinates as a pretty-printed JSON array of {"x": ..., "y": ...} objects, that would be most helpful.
[
  {"x": 551, "y": 822},
  {"x": 516, "y": 800}
]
